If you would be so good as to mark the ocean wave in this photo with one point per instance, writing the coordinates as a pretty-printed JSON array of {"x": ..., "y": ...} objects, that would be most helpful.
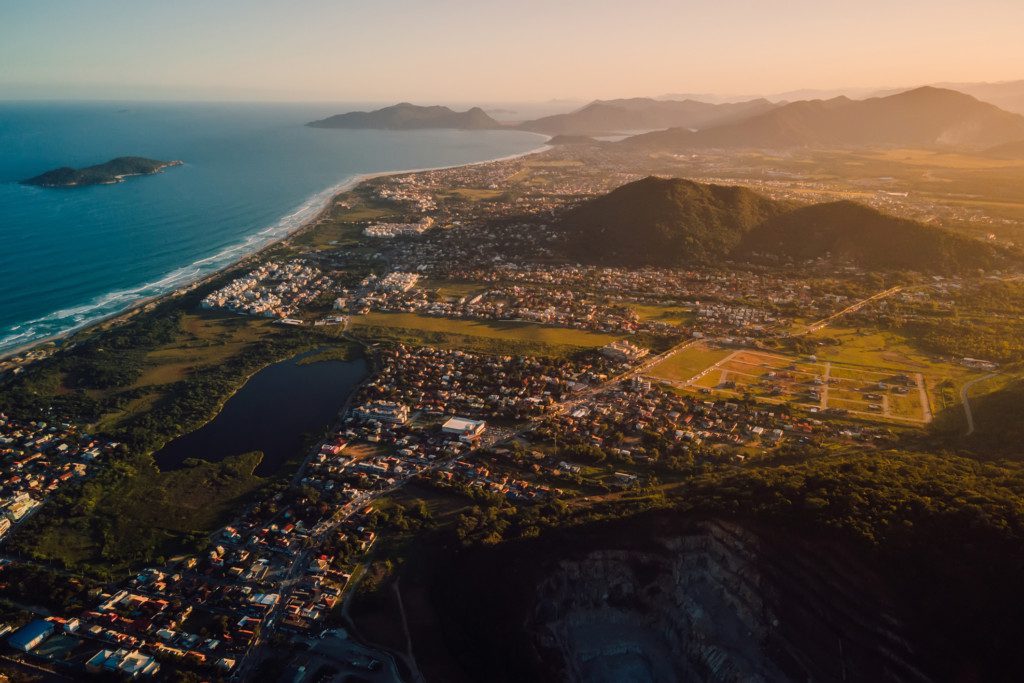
[
  {"x": 70, "y": 319},
  {"x": 65, "y": 321}
]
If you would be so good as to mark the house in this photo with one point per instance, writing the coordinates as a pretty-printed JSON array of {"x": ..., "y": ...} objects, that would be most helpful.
[
  {"x": 625, "y": 479},
  {"x": 130, "y": 663}
]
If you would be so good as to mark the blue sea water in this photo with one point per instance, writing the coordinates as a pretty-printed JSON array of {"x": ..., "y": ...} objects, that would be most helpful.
[{"x": 252, "y": 173}]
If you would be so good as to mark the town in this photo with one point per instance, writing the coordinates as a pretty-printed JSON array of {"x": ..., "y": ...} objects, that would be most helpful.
[{"x": 510, "y": 376}]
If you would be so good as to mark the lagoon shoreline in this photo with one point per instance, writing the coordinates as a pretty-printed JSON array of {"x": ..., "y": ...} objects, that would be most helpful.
[{"x": 66, "y": 338}]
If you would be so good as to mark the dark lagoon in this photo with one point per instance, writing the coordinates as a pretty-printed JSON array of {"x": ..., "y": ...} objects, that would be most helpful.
[{"x": 274, "y": 412}]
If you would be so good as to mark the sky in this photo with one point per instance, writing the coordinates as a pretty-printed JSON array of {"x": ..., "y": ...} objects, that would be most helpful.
[{"x": 452, "y": 51}]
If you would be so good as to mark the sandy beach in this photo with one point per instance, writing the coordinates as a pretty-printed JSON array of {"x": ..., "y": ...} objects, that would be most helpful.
[{"x": 330, "y": 196}]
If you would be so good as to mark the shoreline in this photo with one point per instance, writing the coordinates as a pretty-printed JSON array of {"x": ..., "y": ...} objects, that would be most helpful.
[{"x": 331, "y": 194}]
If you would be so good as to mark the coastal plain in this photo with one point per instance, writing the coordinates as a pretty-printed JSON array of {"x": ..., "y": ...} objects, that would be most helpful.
[{"x": 600, "y": 391}]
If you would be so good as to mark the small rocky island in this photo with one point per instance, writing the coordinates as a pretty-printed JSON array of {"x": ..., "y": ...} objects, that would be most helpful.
[{"x": 113, "y": 171}]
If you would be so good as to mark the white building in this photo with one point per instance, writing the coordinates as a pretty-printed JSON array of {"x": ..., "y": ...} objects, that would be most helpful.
[{"x": 466, "y": 429}]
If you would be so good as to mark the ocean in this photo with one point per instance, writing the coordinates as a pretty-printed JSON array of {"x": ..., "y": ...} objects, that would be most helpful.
[{"x": 251, "y": 174}]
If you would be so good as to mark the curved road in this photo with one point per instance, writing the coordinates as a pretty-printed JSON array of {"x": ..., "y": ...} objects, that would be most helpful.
[{"x": 967, "y": 404}]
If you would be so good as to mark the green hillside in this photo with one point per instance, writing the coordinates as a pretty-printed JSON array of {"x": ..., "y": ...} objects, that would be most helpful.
[
  {"x": 666, "y": 222},
  {"x": 107, "y": 173},
  {"x": 674, "y": 222},
  {"x": 857, "y": 234}
]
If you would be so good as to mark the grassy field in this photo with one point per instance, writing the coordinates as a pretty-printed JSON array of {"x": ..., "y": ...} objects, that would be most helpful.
[
  {"x": 891, "y": 351},
  {"x": 132, "y": 513},
  {"x": 344, "y": 226},
  {"x": 454, "y": 290},
  {"x": 676, "y": 315},
  {"x": 475, "y": 335},
  {"x": 845, "y": 373},
  {"x": 688, "y": 362},
  {"x": 867, "y": 392},
  {"x": 204, "y": 340}
]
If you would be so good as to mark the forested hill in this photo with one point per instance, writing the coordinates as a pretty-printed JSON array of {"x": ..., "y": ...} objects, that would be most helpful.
[
  {"x": 853, "y": 233},
  {"x": 113, "y": 171},
  {"x": 665, "y": 222},
  {"x": 674, "y": 222},
  {"x": 407, "y": 116}
]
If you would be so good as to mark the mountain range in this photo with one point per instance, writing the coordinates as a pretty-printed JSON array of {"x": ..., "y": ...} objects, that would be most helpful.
[
  {"x": 640, "y": 113},
  {"x": 675, "y": 222},
  {"x": 1008, "y": 95},
  {"x": 924, "y": 117}
]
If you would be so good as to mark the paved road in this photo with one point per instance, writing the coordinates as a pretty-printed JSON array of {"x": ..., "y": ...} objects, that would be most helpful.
[
  {"x": 967, "y": 404},
  {"x": 824, "y": 322}
]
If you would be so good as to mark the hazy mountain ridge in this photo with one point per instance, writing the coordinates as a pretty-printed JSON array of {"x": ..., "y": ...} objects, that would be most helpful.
[
  {"x": 1009, "y": 150},
  {"x": 640, "y": 113},
  {"x": 673, "y": 222},
  {"x": 925, "y": 117},
  {"x": 405, "y": 116}
]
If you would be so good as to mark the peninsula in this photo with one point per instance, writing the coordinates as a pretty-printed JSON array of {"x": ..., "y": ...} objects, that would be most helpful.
[
  {"x": 113, "y": 171},
  {"x": 405, "y": 116}
]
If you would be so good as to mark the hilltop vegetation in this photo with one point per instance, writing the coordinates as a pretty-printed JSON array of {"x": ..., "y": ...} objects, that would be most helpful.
[
  {"x": 132, "y": 512},
  {"x": 925, "y": 117},
  {"x": 855, "y": 233},
  {"x": 671, "y": 222},
  {"x": 665, "y": 222},
  {"x": 945, "y": 535},
  {"x": 407, "y": 116},
  {"x": 113, "y": 171}
]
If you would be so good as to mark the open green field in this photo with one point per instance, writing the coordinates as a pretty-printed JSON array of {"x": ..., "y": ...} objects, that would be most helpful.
[
  {"x": 476, "y": 335},
  {"x": 819, "y": 385},
  {"x": 132, "y": 513},
  {"x": 674, "y": 315},
  {"x": 203, "y": 340},
  {"x": 885, "y": 350},
  {"x": 344, "y": 226},
  {"x": 454, "y": 290},
  {"x": 683, "y": 365}
]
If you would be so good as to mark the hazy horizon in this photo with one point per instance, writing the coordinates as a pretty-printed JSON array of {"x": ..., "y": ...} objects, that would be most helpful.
[{"x": 456, "y": 52}]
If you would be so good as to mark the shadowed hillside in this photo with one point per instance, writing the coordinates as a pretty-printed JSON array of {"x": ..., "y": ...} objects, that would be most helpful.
[
  {"x": 854, "y": 233},
  {"x": 672, "y": 222},
  {"x": 665, "y": 222},
  {"x": 641, "y": 113}
]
